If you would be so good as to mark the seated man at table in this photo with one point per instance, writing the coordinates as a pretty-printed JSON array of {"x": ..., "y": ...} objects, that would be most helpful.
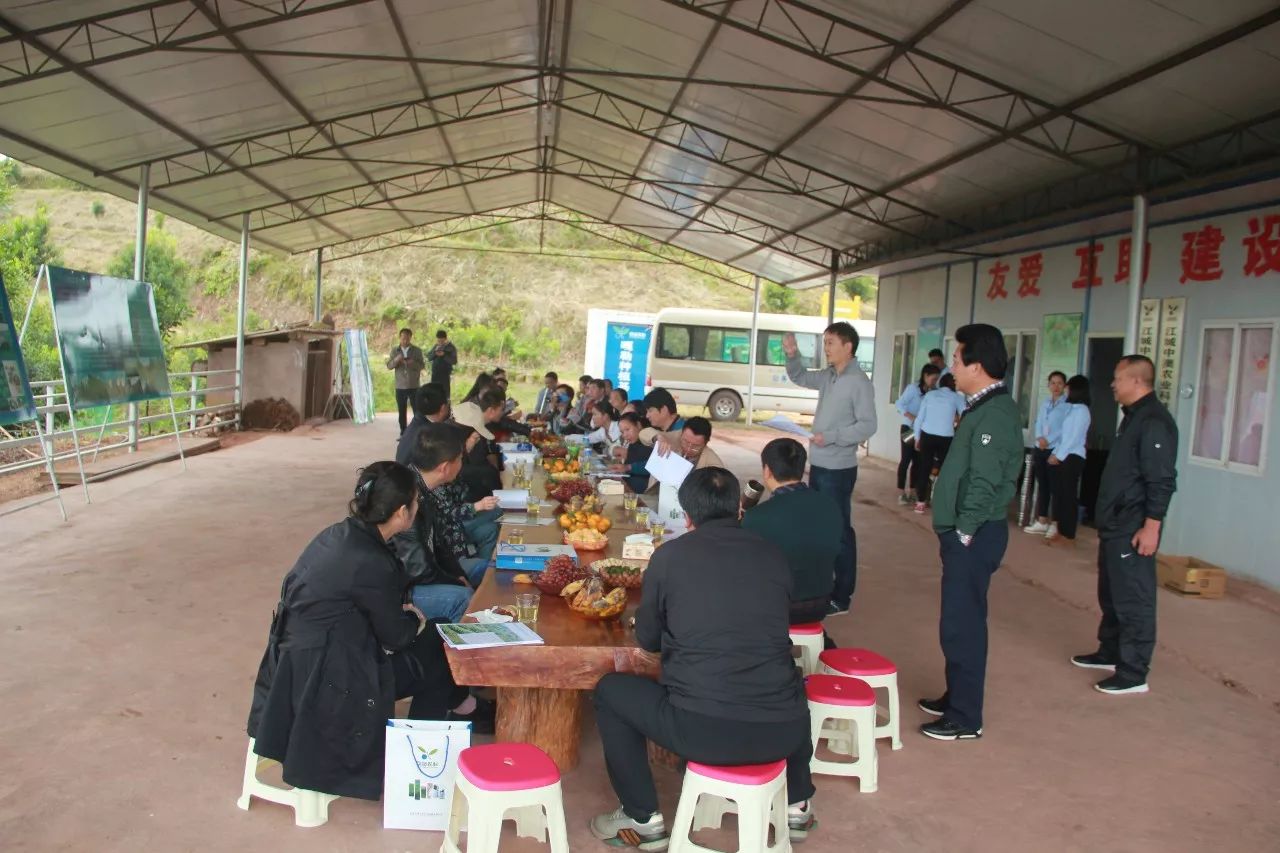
[
  {"x": 805, "y": 524},
  {"x": 715, "y": 604},
  {"x": 429, "y": 406},
  {"x": 438, "y": 584}
]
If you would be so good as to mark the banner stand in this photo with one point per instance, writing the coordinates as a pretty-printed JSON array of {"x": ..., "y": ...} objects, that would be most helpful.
[
  {"x": 42, "y": 278},
  {"x": 53, "y": 478}
]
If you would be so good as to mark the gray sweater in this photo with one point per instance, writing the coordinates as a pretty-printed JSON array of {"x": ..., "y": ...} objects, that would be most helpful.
[{"x": 846, "y": 414}]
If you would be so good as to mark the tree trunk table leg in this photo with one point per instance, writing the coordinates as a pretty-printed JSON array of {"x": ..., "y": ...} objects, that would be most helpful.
[{"x": 549, "y": 719}]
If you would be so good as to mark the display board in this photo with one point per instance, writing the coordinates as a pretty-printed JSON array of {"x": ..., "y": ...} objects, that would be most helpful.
[
  {"x": 362, "y": 405},
  {"x": 928, "y": 337},
  {"x": 16, "y": 402},
  {"x": 110, "y": 340},
  {"x": 626, "y": 356}
]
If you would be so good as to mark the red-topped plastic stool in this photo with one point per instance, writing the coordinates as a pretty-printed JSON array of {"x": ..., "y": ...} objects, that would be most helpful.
[
  {"x": 808, "y": 637},
  {"x": 879, "y": 673},
  {"x": 501, "y": 780},
  {"x": 849, "y": 701},
  {"x": 759, "y": 792}
]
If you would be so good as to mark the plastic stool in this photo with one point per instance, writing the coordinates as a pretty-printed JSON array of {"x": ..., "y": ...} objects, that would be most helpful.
[
  {"x": 879, "y": 673},
  {"x": 759, "y": 792},
  {"x": 839, "y": 698},
  {"x": 810, "y": 640},
  {"x": 310, "y": 808},
  {"x": 501, "y": 779}
]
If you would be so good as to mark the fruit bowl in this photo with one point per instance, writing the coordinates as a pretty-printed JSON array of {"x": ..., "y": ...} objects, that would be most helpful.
[
  {"x": 619, "y": 573},
  {"x": 587, "y": 600},
  {"x": 586, "y": 539},
  {"x": 559, "y": 572}
]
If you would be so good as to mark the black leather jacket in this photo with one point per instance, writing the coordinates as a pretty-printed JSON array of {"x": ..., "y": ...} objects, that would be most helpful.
[{"x": 1141, "y": 474}]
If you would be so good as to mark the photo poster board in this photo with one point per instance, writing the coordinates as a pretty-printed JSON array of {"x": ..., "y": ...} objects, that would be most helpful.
[
  {"x": 928, "y": 337},
  {"x": 109, "y": 339},
  {"x": 1061, "y": 346},
  {"x": 17, "y": 404},
  {"x": 361, "y": 379}
]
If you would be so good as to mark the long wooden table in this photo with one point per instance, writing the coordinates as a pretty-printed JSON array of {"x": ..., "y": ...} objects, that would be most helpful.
[{"x": 540, "y": 687}]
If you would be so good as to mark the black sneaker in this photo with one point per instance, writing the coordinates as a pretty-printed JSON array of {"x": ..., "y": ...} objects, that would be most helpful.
[
  {"x": 949, "y": 730},
  {"x": 1097, "y": 660},
  {"x": 935, "y": 707},
  {"x": 834, "y": 609},
  {"x": 1118, "y": 684}
]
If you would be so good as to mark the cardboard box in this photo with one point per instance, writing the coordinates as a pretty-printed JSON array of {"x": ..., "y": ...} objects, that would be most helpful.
[{"x": 1191, "y": 576}]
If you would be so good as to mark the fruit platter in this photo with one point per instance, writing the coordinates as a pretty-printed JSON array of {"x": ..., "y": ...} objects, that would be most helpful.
[
  {"x": 616, "y": 573},
  {"x": 587, "y": 599},
  {"x": 559, "y": 572},
  {"x": 565, "y": 492},
  {"x": 586, "y": 539},
  {"x": 554, "y": 467}
]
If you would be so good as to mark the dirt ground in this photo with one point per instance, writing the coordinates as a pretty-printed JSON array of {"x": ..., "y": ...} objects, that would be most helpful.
[{"x": 130, "y": 636}]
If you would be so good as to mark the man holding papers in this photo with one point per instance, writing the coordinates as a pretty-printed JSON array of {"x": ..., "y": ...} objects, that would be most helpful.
[{"x": 846, "y": 417}]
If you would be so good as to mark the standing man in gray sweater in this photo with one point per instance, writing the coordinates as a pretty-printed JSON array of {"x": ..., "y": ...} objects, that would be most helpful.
[
  {"x": 407, "y": 361},
  {"x": 846, "y": 417}
]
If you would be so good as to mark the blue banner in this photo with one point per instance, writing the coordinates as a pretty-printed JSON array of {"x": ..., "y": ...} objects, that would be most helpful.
[
  {"x": 16, "y": 402},
  {"x": 626, "y": 356}
]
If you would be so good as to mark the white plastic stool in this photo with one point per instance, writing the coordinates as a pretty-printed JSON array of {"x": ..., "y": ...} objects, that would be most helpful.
[
  {"x": 501, "y": 779},
  {"x": 808, "y": 637},
  {"x": 310, "y": 808},
  {"x": 879, "y": 673},
  {"x": 847, "y": 700},
  {"x": 759, "y": 792}
]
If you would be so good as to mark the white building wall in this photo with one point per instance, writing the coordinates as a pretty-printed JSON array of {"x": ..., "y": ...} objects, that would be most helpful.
[{"x": 1224, "y": 516}]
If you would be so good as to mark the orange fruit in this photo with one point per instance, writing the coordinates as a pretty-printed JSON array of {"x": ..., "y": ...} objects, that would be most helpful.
[
  {"x": 566, "y": 521},
  {"x": 603, "y": 524}
]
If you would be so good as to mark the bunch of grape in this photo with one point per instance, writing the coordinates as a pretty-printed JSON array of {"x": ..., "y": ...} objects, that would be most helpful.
[
  {"x": 560, "y": 572},
  {"x": 565, "y": 491}
]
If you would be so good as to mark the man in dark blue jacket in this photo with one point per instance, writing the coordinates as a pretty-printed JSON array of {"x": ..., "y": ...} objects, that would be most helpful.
[{"x": 1137, "y": 485}]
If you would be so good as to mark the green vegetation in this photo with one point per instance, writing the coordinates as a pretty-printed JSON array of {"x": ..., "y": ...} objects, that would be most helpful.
[
  {"x": 167, "y": 273},
  {"x": 98, "y": 208}
]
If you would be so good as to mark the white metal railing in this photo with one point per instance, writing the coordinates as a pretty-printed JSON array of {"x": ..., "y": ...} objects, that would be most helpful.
[{"x": 51, "y": 400}]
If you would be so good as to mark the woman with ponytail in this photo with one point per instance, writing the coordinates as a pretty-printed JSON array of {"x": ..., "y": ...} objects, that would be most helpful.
[{"x": 344, "y": 646}]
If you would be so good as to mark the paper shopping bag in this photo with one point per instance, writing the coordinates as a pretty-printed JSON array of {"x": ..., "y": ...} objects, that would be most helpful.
[{"x": 421, "y": 763}]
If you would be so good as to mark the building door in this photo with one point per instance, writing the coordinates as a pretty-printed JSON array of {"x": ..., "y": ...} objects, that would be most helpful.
[
  {"x": 319, "y": 377},
  {"x": 1101, "y": 355}
]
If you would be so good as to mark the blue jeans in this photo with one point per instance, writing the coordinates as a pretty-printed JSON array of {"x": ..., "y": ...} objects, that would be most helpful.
[
  {"x": 442, "y": 600},
  {"x": 838, "y": 482}
]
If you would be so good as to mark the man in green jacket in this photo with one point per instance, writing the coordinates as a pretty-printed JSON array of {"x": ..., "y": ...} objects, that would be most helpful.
[
  {"x": 970, "y": 515},
  {"x": 804, "y": 523}
]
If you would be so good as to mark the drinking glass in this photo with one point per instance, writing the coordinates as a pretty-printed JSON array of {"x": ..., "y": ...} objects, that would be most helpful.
[
  {"x": 642, "y": 516},
  {"x": 656, "y": 528},
  {"x": 515, "y": 536},
  {"x": 534, "y": 507},
  {"x": 527, "y": 607},
  {"x": 629, "y": 501}
]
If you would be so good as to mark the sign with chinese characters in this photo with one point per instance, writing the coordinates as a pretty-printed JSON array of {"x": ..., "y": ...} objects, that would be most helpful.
[
  {"x": 1168, "y": 359},
  {"x": 1148, "y": 328},
  {"x": 626, "y": 355}
]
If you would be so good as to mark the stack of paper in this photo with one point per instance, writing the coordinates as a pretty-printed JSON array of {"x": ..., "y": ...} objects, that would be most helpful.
[
  {"x": 512, "y": 498},
  {"x": 669, "y": 469},
  {"x": 476, "y": 636},
  {"x": 785, "y": 424}
]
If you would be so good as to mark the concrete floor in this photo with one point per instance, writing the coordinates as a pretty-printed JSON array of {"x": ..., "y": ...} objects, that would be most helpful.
[{"x": 129, "y": 639}]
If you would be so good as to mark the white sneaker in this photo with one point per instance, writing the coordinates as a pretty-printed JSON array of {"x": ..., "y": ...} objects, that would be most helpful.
[
  {"x": 1038, "y": 527},
  {"x": 1052, "y": 531}
]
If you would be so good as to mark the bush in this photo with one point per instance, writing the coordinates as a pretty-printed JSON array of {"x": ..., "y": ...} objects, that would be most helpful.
[
  {"x": 25, "y": 244},
  {"x": 98, "y": 208}
]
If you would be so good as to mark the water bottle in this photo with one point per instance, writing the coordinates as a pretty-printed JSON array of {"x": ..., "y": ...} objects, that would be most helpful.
[{"x": 584, "y": 458}]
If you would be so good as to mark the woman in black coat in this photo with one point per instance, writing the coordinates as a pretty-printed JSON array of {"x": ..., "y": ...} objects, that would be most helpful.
[{"x": 344, "y": 646}]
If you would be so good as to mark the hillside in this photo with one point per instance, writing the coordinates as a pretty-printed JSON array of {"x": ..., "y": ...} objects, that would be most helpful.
[{"x": 537, "y": 300}]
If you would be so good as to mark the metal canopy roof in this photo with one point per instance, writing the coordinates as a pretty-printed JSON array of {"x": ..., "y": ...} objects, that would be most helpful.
[{"x": 782, "y": 138}]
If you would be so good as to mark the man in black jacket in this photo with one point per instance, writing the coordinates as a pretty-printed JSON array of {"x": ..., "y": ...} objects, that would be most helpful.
[
  {"x": 1137, "y": 485},
  {"x": 443, "y": 358},
  {"x": 715, "y": 604},
  {"x": 440, "y": 589}
]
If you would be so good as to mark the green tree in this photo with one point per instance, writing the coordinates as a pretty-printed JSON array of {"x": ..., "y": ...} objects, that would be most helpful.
[
  {"x": 168, "y": 274},
  {"x": 778, "y": 299},
  {"x": 25, "y": 244},
  {"x": 861, "y": 286}
]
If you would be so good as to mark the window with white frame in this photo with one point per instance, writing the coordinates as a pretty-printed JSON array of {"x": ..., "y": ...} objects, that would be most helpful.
[{"x": 1233, "y": 400}]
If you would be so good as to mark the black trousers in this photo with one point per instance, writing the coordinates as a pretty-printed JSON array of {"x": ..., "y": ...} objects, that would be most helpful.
[
  {"x": 404, "y": 400},
  {"x": 907, "y": 460},
  {"x": 1040, "y": 473},
  {"x": 1064, "y": 480},
  {"x": 1127, "y": 596},
  {"x": 631, "y": 709},
  {"x": 966, "y": 576},
  {"x": 932, "y": 453},
  {"x": 422, "y": 671}
]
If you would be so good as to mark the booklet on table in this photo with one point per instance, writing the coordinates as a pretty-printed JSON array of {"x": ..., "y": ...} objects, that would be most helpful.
[
  {"x": 468, "y": 635},
  {"x": 531, "y": 557}
]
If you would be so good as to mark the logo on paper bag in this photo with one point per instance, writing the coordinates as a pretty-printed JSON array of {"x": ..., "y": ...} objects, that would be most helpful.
[{"x": 431, "y": 761}]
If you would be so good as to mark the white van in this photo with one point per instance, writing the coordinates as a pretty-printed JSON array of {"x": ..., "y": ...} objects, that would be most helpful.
[{"x": 700, "y": 356}]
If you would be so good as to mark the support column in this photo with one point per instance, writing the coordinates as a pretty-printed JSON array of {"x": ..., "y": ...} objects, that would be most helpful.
[
  {"x": 751, "y": 354},
  {"x": 240, "y": 305},
  {"x": 1137, "y": 272},
  {"x": 139, "y": 270},
  {"x": 316, "y": 314},
  {"x": 831, "y": 295}
]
